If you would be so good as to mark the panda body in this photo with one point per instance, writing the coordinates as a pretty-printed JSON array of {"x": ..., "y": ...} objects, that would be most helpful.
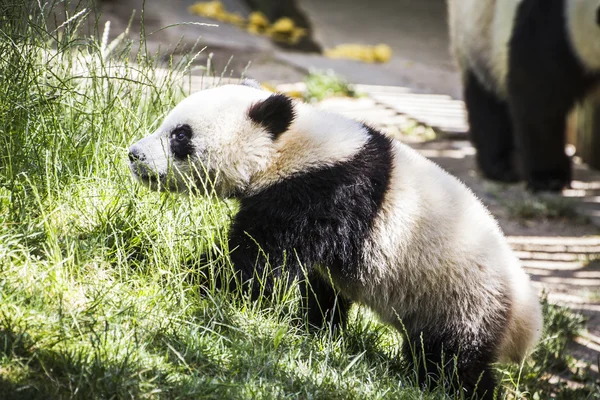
[
  {"x": 524, "y": 64},
  {"x": 332, "y": 197}
]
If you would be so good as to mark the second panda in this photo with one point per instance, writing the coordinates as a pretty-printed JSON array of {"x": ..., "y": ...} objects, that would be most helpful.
[
  {"x": 362, "y": 214},
  {"x": 524, "y": 65}
]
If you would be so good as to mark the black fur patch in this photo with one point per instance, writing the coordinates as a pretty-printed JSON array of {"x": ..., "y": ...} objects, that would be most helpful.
[
  {"x": 275, "y": 114},
  {"x": 320, "y": 217},
  {"x": 180, "y": 140},
  {"x": 490, "y": 130}
]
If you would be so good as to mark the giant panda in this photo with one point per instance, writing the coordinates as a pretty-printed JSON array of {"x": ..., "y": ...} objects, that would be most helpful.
[
  {"x": 358, "y": 214},
  {"x": 524, "y": 64}
]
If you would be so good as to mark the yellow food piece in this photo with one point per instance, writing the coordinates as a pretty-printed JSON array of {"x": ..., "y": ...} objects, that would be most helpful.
[
  {"x": 235, "y": 19},
  {"x": 380, "y": 53},
  {"x": 296, "y": 35},
  {"x": 296, "y": 94},
  {"x": 268, "y": 86},
  {"x": 352, "y": 52},
  {"x": 253, "y": 29},
  {"x": 282, "y": 25},
  {"x": 284, "y": 29},
  {"x": 210, "y": 9},
  {"x": 215, "y": 10},
  {"x": 258, "y": 20}
]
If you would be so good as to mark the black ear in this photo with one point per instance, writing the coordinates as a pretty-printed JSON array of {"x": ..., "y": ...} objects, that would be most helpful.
[{"x": 275, "y": 114}]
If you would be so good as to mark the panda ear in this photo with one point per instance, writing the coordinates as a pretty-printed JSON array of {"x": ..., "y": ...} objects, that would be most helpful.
[{"x": 275, "y": 114}]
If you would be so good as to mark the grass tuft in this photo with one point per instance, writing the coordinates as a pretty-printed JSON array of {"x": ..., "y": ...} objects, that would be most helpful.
[
  {"x": 544, "y": 207},
  {"x": 320, "y": 85}
]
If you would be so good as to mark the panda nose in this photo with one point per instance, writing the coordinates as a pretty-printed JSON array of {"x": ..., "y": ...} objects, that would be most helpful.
[{"x": 135, "y": 156}]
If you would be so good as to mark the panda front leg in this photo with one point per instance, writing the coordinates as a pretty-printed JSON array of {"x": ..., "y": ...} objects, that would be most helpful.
[
  {"x": 540, "y": 134},
  {"x": 490, "y": 129},
  {"x": 322, "y": 304},
  {"x": 256, "y": 267}
]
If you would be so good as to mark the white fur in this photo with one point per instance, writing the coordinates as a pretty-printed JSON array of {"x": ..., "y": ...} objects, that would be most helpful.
[
  {"x": 584, "y": 32},
  {"x": 435, "y": 243},
  {"x": 479, "y": 35},
  {"x": 229, "y": 146}
]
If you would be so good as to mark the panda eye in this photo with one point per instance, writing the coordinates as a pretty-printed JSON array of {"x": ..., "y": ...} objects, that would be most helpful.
[
  {"x": 181, "y": 133},
  {"x": 180, "y": 141}
]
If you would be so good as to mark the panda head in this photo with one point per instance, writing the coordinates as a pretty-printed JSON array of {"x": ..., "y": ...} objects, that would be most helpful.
[{"x": 215, "y": 139}]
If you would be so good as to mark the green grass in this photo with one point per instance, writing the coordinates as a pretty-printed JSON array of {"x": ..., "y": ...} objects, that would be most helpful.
[
  {"x": 103, "y": 293},
  {"x": 524, "y": 206},
  {"x": 545, "y": 207},
  {"x": 552, "y": 372},
  {"x": 323, "y": 84}
]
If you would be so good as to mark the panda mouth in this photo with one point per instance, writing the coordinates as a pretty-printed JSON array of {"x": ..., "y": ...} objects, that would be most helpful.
[
  {"x": 152, "y": 181},
  {"x": 155, "y": 181},
  {"x": 146, "y": 176},
  {"x": 149, "y": 178}
]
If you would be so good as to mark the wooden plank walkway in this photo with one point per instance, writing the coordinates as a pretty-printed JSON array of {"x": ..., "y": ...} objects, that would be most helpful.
[
  {"x": 440, "y": 112},
  {"x": 567, "y": 269}
]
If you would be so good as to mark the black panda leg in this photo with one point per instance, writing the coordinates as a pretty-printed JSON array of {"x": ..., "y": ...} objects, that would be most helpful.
[
  {"x": 491, "y": 132},
  {"x": 461, "y": 368},
  {"x": 540, "y": 135},
  {"x": 322, "y": 304}
]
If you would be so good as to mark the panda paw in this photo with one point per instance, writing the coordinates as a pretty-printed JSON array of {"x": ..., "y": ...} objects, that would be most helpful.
[
  {"x": 548, "y": 185},
  {"x": 550, "y": 180},
  {"x": 500, "y": 172}
]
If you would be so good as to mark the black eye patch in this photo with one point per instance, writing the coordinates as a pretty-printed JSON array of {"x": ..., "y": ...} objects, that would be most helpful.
[{"x": 180, "y": 139}]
